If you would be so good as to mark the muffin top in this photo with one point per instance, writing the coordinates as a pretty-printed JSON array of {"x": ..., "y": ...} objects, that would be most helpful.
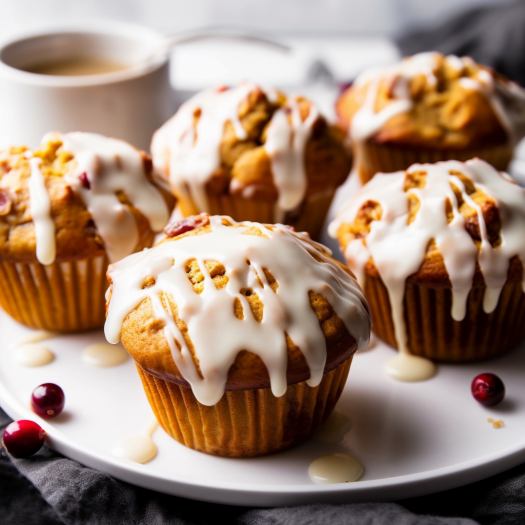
[
  {"x": 78, "y": 195},
  {"x": 258, "y": 144},
  {"x": 224, "y": 305},
  {"x": 445, "y": 225},
  {"x": 429, "y": 100}
]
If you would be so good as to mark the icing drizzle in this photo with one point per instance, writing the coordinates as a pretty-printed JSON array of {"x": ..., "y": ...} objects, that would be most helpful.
[
  {"x": 398, "y": 248},
  {"x": 506, "y": 98},
  {"x": 110, "y": 166},
  {"x": 191, "y": 153},
  {"x": 40, "y": 208},
  {"x": 216, "y": 333}
]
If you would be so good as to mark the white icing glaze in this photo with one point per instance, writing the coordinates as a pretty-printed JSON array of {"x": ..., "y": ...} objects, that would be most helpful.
[
  {"x": 285, "y": 144},
  {"x": 40, "y": 208},
  {"x": 113, "y": 165},
  {"x": 217, "y": 334},
  {"x": 104, "y": 355},
  {"x": 398, "y": 249},
  {"x": 506, "y": 98},
  {"x": 190, "y": 154},
  {"x": 410, "y": 368},
  {"x": 32, "y": 355},
  {"x": 138, "y": 448},
  {"x": 335, "y": 468},
  {"x": 334, "y": 429}
]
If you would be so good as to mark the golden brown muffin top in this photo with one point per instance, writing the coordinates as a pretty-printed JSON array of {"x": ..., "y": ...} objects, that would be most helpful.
[
  {"x": 71, "y": 183},
  {"x": 432, "y": 101},
  {"x": 223, "y": 305},
  {"x": 261, "y": 144},
  {"x": 445, "y": 224}
]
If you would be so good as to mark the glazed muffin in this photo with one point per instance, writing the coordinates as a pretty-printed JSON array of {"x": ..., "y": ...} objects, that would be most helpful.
[
  {"x": 253, "y": 155},
  {"x": 430, "y": 108},
  {"x": 439, "y": 252},
  {"x": 242, "y": 333},
  {"x": 66, "y": 210}
]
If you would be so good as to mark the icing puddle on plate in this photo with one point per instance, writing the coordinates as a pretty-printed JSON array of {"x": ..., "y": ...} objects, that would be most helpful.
[
  {"x": 335, "y": 468},
  {"x": 139, "y": 448}
]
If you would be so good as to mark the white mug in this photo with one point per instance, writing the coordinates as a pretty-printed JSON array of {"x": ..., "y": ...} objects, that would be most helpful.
[{"x": 129, "y": 104}]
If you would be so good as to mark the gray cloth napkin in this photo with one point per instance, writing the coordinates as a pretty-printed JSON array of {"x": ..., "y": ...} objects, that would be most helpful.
[{"x": 49, "y": 489}]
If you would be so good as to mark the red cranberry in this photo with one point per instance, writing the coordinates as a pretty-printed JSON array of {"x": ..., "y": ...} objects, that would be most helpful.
[
  {"x": 84, "y": 180},
  {"x": 488, "y": 389},
  {"x": 48, "y": 400},
  {"x": 23, "y": 438},
  {"x": 5, "y": 202},
  {"x": 185, "y": 225}
]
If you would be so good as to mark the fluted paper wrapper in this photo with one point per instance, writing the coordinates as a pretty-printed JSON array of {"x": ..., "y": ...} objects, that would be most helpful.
[
  {"x": 375, "y": 158},
  {"x": 63, "y": 296},
  {"x": 432, "y": 332},
  {"x": 308, "y": 217},
  {"x": 244, "y": 423}
]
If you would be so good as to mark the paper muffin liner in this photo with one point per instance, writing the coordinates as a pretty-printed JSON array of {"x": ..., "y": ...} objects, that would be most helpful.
[
  {"x": 244, "y": 423},
  {"x": 63, "y": 296},
  {"x": 375, "y": 158},
  {"x": 432, "y": 332},
  {"x": 309, "y": 216}
]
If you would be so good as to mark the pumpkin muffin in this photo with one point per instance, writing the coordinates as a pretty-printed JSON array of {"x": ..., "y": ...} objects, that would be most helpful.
[
  {"x": 253, "y": 155},
  {"x": 439, "y": 252},
  {"x": 242, "y": 333},
  {"x": 430, "y": 108},
  {"x": 67, "y": 209}
]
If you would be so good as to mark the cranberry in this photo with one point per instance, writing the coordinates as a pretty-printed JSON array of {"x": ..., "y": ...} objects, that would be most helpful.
[
  {"x": 48, "y": 400},
  {"x": 23, "y": 438},
  {"x": 84, "y": 180},
  {"x": 488, "y": 389},
  {"x": 185, "y": 225}
]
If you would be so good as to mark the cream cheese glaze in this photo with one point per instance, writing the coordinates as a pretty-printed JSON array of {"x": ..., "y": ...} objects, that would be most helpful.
[
  {"x": 113, "y": 165},
  {"x": 40, "y": 208},
  {"x": 506, "y": 98},
  {"x": 110, "y": 166},
  {"x": 217, "y": 334},
  {"x": 398, "y": 248},
  {"x": 190, "y": 154}
]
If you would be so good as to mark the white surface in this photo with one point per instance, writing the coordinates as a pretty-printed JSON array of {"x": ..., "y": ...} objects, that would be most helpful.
[{"x": 413, "y": 438}]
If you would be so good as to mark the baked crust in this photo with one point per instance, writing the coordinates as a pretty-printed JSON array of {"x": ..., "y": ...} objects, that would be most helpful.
[
  {"x": 143, "y": 334},
  {"x": 76, "y": 234},
  {"x": 444, "y": 115}
]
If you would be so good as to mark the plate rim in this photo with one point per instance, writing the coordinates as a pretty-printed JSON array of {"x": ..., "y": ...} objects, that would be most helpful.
[{"x": 270, "y": 495}]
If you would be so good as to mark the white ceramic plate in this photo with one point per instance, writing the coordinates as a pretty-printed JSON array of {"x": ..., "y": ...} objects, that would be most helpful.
[{"x": 413, "y": 438}]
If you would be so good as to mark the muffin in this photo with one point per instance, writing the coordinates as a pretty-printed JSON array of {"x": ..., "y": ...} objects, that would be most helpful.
[
  {"x": 431, "y": 108},
  {"x": 253, "y": 155},
  {"x": 439, "y": 252},
  {"x": 242, "y": 333},
  {"x": 66, "y": 210}
]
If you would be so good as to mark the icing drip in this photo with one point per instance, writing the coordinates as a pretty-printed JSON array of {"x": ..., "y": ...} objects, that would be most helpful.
[
  {"x": 285, "y": 144},
  {"x": 194, "y": 150},
  {"x": 138, "y": 448},
  {"x": 191, "y": 153},
  {"x": 398, "y": 248},
  {"x": 216, "y": 333},
  {"x": 336, "y": 468},
  {"x": 506, "y": 98},
  {"x": 40, "y": 208},
  {"x": 32, "y": 355},
  {"x": 110, "y": 166},
  {"x": 104, "y": 355}
]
